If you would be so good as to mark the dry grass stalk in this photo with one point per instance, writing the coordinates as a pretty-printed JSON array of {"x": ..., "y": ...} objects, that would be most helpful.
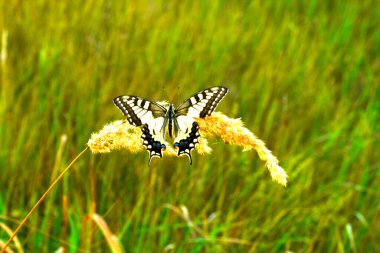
[
  {"x": 4, "y": 45},
  {"x": 8, "y": 250},
  {"x": 112, "y": 240},
  {"x": 16, "y": 241}
]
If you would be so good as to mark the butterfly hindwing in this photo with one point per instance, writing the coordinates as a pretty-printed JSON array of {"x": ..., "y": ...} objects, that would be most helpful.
[
  {"x": 203, "y": 103},
  {"x": 153, "y": 146},
  {"x": 185, "y": 146}
]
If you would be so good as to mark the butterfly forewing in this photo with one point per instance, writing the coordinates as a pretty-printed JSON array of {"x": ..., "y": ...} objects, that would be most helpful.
[
  {"x": 202, "y": 104},
  {"x": 139, "y": 110}
]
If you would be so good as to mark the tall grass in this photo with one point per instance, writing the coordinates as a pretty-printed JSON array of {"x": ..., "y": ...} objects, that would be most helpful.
[{"x": 304, "y": 76}]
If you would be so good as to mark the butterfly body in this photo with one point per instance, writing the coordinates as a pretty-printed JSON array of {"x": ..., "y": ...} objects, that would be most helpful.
[
  {"x": 171, "y": 120},
  {"x": 156, "y": 118}
]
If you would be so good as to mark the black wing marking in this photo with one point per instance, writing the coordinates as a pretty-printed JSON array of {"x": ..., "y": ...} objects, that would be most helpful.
[
  {"x": 185, "y": 146},
  {"x": 154, "y": 147},
  {"x": 139, "y": 110},
  {"x": 203, "y": 103}
]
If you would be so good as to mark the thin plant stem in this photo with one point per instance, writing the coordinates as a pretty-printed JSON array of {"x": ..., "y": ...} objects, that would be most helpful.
[{"x": 41, "y": 199}]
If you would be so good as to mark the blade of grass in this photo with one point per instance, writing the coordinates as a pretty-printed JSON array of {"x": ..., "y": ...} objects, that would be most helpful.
[{"x": 112, "y": 240}]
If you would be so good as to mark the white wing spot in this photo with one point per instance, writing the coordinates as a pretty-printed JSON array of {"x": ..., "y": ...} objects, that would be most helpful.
[{"x": 198, "y": 107}]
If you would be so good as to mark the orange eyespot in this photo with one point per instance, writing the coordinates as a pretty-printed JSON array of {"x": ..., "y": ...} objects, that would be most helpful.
[{"x": 163, "y": 149}]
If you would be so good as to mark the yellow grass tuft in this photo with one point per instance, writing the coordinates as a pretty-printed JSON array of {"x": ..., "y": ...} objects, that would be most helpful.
[
  {"x": 232, "y": 131},
  {"x": 116, "y": 136}
]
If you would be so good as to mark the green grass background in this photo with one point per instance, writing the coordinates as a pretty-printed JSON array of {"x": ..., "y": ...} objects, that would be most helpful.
[{"x": 303, "y": 76}]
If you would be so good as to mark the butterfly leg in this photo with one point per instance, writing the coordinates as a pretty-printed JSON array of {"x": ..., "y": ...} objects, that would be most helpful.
[
  {"x": 185, "y": 146},
  {"x": 154, "y": 147}
]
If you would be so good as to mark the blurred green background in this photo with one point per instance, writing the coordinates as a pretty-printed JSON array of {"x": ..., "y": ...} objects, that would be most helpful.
[{"x": 303, "y": 76}]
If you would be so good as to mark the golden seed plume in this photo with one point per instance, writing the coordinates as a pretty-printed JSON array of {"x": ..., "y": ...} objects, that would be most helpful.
[
  {"x": 232, "y": 131},
  {"x": 116, "y": 136}
]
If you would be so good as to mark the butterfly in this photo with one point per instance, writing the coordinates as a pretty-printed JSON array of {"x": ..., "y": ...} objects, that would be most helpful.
[{"x": 157, "y": 119}]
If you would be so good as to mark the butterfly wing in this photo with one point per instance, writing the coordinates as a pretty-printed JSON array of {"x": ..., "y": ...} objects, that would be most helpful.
[
  {"x": 150, "y": 115},
  {"x": 139, "y": 111},
  {"x": 201, "y": 104},
  {"x": 186, "y": 145},
  {"x": 153, "y": 146}
]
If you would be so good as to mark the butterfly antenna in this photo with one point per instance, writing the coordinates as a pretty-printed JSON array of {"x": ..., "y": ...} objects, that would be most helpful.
[
  {"x": 176, "y": 94},
  {"x": 164, "y": 94}
]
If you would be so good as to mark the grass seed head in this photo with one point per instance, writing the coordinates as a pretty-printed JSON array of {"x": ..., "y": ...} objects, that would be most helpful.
[
  {"x": 232, "y": 131},
  {"x": 120, "y": 135}
]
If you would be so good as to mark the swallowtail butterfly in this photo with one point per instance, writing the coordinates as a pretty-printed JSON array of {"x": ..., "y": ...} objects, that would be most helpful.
[{"x": 157, "y": 119}]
